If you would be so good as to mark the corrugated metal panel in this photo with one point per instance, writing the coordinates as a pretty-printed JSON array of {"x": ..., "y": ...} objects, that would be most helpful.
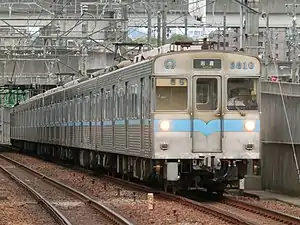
[
  {"x": 273, "y": 118},
  {"x": 279, "y": 171}
]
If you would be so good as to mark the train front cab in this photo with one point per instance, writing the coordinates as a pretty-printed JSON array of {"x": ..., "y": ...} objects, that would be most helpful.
[{"x": 206, "y": 128}]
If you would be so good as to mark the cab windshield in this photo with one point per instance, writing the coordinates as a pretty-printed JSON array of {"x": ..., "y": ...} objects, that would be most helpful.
[
  {"x": 171, "y": 94},
  {"x": 242, "y": 94}
]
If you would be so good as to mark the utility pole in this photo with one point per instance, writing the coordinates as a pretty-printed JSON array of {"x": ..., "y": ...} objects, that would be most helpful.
[
  {"x": 287, "y": 36},
  {"x": 219, "y": 33},
  {"x": 164, "y": 22},
  {"x": 224, "y": 27},
  {"x": 149, "y": 14},
  {"x": 84, "y": 30},
  {"x": 124, "y": 25},
  {"x": 186, "y": 23},
  {"x": 294, "y": 66},
  {"x": 125, "y": 22},
  {"x": 294, "y": 39},
  {"x": 64, "y": 15},
  {"x": 267, "y": 42},
  {"x": 158, "y": 29},
  {"x": 252, "y": 26},
  {"x": 241, "y": 26}
]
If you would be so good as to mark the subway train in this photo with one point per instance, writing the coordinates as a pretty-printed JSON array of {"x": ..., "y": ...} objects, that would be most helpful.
[{"x": 176, "y": 116}]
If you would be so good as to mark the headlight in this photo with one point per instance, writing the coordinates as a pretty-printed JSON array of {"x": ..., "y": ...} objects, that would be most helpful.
[
  {"x": 249, "y": 125},
  {"x": 164, "y": 125}
]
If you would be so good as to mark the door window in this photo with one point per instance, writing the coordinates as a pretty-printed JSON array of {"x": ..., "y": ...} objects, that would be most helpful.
[{"x": 206, "y": 94}]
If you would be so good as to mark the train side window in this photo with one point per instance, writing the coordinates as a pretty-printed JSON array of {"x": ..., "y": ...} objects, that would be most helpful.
[
  {"x": 207, "y": 94},
  {"x": 144, "y": 94},
  {"x": 106, "y": 107},
  {"x": 62, "y": 111},
  {"x": 99, "y": 106},
  {"x": 126, "y": 101},
  {"x": 81, "y": 108},
  {"x": 66, "y": 110},
  {"x": 62, "y": 115},
  {"x": 94, "y": 107},
  {"x": 134, "y": 106},
  {"x": 57, "y": 112},
  {"x": 73, "y": 110},
  {"x": 130, "y": 104},
  {"x": 119, "y": 104},
  {"x": 87, "y": 108},
  {"x": 46, "y": 116},
  {"x": 138, "y": 101},
  {"x": 76, "y": 109},
  {"x": 70, "y": 111},
  {"x": 47, "y": 109},
  {"x": 52, "y": 113},
  {"x": 102, "y": 105},
  {"x": 171, "y": 94},
  {"x": 70, "y": 107},
  {"x": 114, "y": 102}
]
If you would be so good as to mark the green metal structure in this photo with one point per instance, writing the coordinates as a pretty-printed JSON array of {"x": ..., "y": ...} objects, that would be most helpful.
[{"x": 10, "y": 98}]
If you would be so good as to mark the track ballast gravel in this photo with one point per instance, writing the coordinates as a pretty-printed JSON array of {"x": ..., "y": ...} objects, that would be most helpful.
[
  {"x": 133, "y": 208},
  {"x": 274, "y": 205},
  {"x": 75, "y": 210},
  {"x": 18, "y": 207}
]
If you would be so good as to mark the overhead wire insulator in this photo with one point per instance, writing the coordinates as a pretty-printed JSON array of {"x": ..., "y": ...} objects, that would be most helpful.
[{"x": 84, "y": 9}]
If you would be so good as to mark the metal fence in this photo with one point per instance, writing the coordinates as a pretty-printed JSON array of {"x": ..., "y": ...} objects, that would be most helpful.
[{"x": 280, "y": 135}]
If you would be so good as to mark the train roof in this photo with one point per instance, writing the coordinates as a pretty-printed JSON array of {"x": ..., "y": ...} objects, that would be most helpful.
[{"x": 143, "y": 57}]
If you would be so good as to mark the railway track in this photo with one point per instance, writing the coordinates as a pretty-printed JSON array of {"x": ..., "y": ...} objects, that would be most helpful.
[
  {"x": 222, "y": 215},
  {"x": 210, "y": 209},
  {"x": 54, "y": 212},
  {"x": 67, "y": 205},
  {"x": 261, "y": 212},
  {"x": 227, "y": 209}
]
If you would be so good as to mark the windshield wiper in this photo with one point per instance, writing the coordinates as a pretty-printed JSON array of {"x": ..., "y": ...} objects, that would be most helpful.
[{"x": 241, "y": 113}]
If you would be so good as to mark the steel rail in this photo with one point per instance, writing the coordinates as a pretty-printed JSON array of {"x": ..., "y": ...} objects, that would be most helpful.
[
  {"x": 110, "y": 214},
  {"x": 59, "y": 217},
  {"x": 222, "y": 214},
  {"x": 250, "y": 207}
]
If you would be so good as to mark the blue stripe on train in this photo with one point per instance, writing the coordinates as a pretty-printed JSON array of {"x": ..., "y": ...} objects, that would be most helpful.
[
  {"x": 209, "y": 128},
  {"x": 179, "y": 125}
]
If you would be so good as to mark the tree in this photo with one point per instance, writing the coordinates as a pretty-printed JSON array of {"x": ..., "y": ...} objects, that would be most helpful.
[
  {"x": 144, "y": 40},
  {"x": 179, "y": 37},
  {"x": 173, "y": 38}
]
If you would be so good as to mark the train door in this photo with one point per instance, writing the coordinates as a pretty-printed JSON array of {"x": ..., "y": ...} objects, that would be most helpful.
[{"x": 206, "y": 114}]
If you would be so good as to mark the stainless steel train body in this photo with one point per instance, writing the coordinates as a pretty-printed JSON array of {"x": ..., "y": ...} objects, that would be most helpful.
[{"x": 175, "y": 118}]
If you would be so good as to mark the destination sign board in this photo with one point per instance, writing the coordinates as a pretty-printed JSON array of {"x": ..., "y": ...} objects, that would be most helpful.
[{"x": 207, "y": 64}]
